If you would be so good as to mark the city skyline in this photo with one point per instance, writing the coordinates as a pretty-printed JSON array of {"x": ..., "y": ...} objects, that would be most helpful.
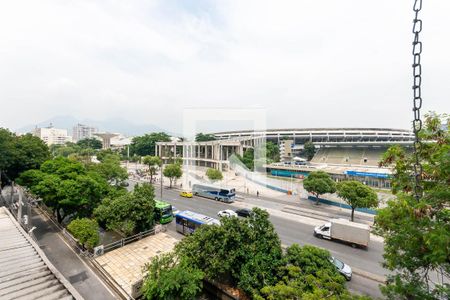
[{"x": 308, "y": 64}]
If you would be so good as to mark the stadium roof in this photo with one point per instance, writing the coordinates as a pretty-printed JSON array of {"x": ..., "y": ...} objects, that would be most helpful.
[
  {"x": 314, "y": 129},
  {"x": 25, "y": 271}
]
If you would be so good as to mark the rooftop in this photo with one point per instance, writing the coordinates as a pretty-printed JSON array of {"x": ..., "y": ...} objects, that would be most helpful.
[{"x": 25, "y": 271}]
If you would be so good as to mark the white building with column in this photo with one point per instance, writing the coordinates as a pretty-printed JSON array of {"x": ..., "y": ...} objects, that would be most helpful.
[{"x": 210, "y": 154}]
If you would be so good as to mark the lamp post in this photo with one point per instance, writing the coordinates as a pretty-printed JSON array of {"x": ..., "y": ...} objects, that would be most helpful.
[{"x": 161, "y": 181}]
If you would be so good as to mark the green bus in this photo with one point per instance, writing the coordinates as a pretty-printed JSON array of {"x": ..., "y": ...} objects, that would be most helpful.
[{"x": 163, "y": 212}]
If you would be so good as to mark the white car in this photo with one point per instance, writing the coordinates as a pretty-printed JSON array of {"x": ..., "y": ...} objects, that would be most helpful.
[
  {"x": 342, "y": 268},
  {"x": 226, "y": 213}
]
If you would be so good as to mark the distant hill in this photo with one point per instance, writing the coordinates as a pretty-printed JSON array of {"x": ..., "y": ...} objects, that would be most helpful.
[{"x": 111, "y": 125}]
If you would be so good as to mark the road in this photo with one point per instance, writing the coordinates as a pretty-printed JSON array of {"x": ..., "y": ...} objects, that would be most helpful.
[
  {"x": 292, "y": 231},
  {"x": 66, "y": 261}
]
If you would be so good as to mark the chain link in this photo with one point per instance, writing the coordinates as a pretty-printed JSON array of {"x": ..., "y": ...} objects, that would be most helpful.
[{"x": 417, "y": 102}]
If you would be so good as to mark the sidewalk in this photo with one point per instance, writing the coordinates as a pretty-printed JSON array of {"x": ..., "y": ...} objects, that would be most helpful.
[
  {"x": 66, "y": 261},
  {"x": 302, "y": 206},
  {"x": 293, "y": 204}
]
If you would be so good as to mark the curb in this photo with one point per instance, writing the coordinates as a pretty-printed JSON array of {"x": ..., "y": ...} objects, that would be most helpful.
[{"x": 368, "y": 275}]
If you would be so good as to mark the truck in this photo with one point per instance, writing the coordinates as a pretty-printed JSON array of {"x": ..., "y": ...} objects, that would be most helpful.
[{"x": 354, "y": 234}]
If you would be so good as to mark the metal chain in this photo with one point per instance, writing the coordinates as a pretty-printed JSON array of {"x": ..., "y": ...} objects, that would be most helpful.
[{"x": 417, "y": 102}]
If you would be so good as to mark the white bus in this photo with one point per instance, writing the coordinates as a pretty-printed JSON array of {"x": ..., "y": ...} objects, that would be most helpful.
[
  {"x": 187, "y": 221},
  {"x": 217, "y": 193}
]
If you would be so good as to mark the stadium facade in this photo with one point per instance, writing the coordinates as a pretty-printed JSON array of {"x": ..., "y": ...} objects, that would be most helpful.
[{"x": 342, "y": 152}]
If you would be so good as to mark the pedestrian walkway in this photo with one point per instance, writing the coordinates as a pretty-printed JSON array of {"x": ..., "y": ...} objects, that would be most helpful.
[{"x": 83, "y": 279}]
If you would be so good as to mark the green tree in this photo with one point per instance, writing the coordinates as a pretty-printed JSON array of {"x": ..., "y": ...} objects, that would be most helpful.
[
  {"x": 417, "y": 231},
  {"x": 20, "y": 153},
  {"x": 201, "y": 137},
  {"x": 6, "y": 160},
  {"x": 248, "y": 158},
  {"x": 318, "y": 183},
  {"x": 145, "y": 145},
  {"x": 243, "y": 252},
  {"x": 64, "y": 150},
  {"x": 66, "y": 186},
  {"x": 173, "y": 172},
  {"x": 111, "y": 169},
  {"x": 153, "y": 163},
  {"x": 214, "y": 174},
  {"x": 85, "y": 231},
  {"x": 92, "y": 143},
  {"x": 309, "y": 150},
  {"x": 357, "y": 195},
  {"x": 104, "y": 153},
  {"x": 307, "y": 273},
  {"x": 169, "y": 278},
  {"x": 128, "y": 213},
  {"x": 272, "y": 152}
]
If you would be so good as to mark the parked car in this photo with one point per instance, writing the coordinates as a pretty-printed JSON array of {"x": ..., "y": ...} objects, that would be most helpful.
[
  {"x": 342, "y": 268},
  {"x": 186, "y": 194},
  {"x": 226, "y": 213},
  {"x": 243, "y": 212}
]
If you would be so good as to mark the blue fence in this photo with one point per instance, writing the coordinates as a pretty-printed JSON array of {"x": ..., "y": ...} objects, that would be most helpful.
[
  {"x": 366, "y": 174},
  {"x": 343, "y": 205},
  {"x": 287, "y": 173}
]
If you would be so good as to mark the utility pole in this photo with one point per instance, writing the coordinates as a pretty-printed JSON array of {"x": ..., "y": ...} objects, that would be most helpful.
[
  {"x": 12, "y": 193},
  {"x": 19, "y": 212},
  {"x": 161, "y": 181}
]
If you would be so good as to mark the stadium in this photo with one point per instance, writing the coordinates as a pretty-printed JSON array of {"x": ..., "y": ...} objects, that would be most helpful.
[{"x": 341, "y": 152}]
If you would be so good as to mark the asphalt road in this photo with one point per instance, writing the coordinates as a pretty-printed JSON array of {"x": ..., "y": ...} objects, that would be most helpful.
[
  {"x": 291, "y": 231},
  {"x": 67, "y": 262}
]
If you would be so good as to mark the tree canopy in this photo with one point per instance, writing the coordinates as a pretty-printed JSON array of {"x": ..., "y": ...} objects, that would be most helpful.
[
  {"x": 168, "y": 277},
  {"x": 20, "y": 153},
  {"x": 307, "y": 273},
  {"x": 67, "y": 186},
  {"x": 111, "y": 169},
  {"x": 214, "y": 174},
  {"x": 242, "y": 252},
  {"x": 173, "y": 172},
  {"x": 245, "y": 254},
  {"x": 92, "y": 143},
  {"x": 309, "y": 150},
  {"x": 272, "y": 152},
  {"x": 145, "y": 145},
  {"x": 417, "y": 231},
  {"x": 153, "y": 163},
  {"x": 85, "y": 231},
  {"x": 128, "y": 213},
  {"x": 318, "y": 183},
  {"x": 201, "y": 137},
  {"x": 357, "y": 195}
]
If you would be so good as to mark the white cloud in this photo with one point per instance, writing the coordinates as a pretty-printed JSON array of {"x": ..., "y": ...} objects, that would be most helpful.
[{"x": 309, "y": 63}]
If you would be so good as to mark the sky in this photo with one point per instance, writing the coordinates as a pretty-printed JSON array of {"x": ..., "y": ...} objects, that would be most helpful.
[{"x": 321, "y": 63}]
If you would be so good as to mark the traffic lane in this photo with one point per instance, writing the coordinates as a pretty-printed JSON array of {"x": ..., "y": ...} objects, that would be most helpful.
[
  {"x": 295, "y": 232},
  {"x": 358, "y": 284},
  {"x": 364, "y": 286},
  {"x": 290, "y": 232}
]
